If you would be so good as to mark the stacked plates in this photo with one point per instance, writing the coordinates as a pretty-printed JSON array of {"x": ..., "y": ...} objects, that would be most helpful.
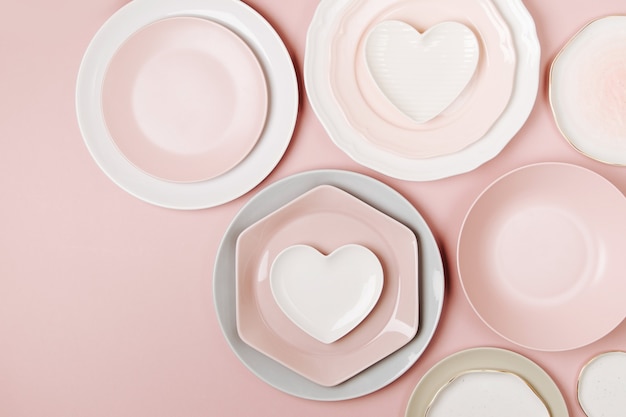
[
  {"x": 486, "y": 381},
  {"x": 171, "y": 117},
  {"x": 328, "y": 285},
  {"x": 421, "y": 90}
]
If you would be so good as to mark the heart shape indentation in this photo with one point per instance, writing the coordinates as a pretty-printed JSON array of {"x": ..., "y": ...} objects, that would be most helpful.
[
  {"x": 421, "y": 74},
  {"x": 326, "y": 296},
  {"x": 602, "y": 386}
]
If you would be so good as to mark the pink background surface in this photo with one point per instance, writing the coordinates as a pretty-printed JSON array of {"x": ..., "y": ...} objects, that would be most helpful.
[{"x": 106, "y": 301}]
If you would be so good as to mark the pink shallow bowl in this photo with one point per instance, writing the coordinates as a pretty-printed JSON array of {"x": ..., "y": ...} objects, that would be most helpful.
[
  {"x": 466, "y": 120},
  {"x": 184, "y": 99},
  {"x": 327, "y": 218},
  {"x": 540, "y": 256}
]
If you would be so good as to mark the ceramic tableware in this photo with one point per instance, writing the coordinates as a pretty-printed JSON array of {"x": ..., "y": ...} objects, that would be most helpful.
[
  {"x": 184, "y": 99},
  {"x": 480, "y": 360},
  {"x": 354, "y": 142},
  {"x": 588, "y": 90},
  {"x": 369, "y": 112},
  {"x": 327, "y": 295},
  {"x": 602, "y": 385},
  {"x": 421, "y": 74},
  {"x": 326, "y": 219},
  {"x": 487, "y": 393},
  {"x": 282, "y": 110},
  {"x": 375, "y": 194},
  {"x": 540, "y": 256}
]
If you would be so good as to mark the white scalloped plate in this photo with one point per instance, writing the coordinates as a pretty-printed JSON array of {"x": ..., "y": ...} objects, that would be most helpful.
[{"x": 358, "y": 147}]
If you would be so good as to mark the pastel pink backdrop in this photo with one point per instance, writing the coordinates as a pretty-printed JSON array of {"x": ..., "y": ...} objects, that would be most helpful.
[{"x": 106, "y": 301}]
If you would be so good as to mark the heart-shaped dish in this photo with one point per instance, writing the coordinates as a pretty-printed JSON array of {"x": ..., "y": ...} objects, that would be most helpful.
[
  {"x": 327, "y": 218},
  {"x": 326, "y": 295},
  {"x": 422, "y": 74},
  {"x": 338, "y": 104},
  {"x": 368, "y": 110},
  {"x": 432, "y": 286}
]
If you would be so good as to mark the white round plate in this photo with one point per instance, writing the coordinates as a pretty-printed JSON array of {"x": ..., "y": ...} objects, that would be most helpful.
[
  {"x": 316, "y": 76},
  {"x": 282, "y": 111},
  {"x": 602, "y": 385},
  {"x": 587, "y": 91},
  {"x": 377, "y": 195}
]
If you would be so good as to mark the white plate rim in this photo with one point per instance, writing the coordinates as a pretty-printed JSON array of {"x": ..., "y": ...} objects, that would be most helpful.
[
  {"x": 325, "y": 106},
  {"x": 282, "y": 110},
  {"x": 379, "y": 196}
]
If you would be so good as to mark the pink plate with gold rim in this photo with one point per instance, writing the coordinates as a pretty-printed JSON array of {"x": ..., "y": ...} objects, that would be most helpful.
[{"x": 540, "y": 256}]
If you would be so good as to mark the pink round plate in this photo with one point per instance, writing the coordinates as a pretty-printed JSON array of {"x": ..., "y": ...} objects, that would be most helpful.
[
  {"x": 184, "y": 99},
  {"x": 540, "y": 256},
  {"x": 466, "y": 120},
  {"x": 327, "y": 218}
]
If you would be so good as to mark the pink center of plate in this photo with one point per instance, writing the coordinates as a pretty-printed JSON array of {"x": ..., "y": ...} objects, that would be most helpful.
[
  {"x": 185, "y": 99},
  {"x": 180, "y": 98},
  {"x": 551, "y": 265}
]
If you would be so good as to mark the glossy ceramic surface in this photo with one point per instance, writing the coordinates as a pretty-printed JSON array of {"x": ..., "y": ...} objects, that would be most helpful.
[
  {"x": 485, "y": 359},
  {"x": 184, "y": 99},
  {"x": 327, "y": 218},
  {"x": 327, "y": 295},
  {"x": 431, "y": 284},
  {"x": 274, "y": 58},
  {"x": 360, "y": 101},
  {"x": 540, "y": 256},
  {"x": 359, "y": 146},
  {"x": 487, "y": 393},
  {"x": 602, "y": 385},
  {"x": 421, "y": 74},
  {"x": 587, "y": 91}
]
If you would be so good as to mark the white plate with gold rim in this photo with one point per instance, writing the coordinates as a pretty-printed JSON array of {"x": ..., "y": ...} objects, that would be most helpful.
[
  {"x": 485, "y": 359},
  {"x": 588, "y": 90},
  {"x": 602, "y": 385}
]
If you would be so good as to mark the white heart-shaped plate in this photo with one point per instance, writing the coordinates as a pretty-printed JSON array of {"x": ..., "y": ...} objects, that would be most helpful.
[
  {"x": 326, "y": 296},
  {"x": 421, "y": 74}
]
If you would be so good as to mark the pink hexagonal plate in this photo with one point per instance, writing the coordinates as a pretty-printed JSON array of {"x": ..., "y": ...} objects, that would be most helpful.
[{"x": 327, "y": 218}]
